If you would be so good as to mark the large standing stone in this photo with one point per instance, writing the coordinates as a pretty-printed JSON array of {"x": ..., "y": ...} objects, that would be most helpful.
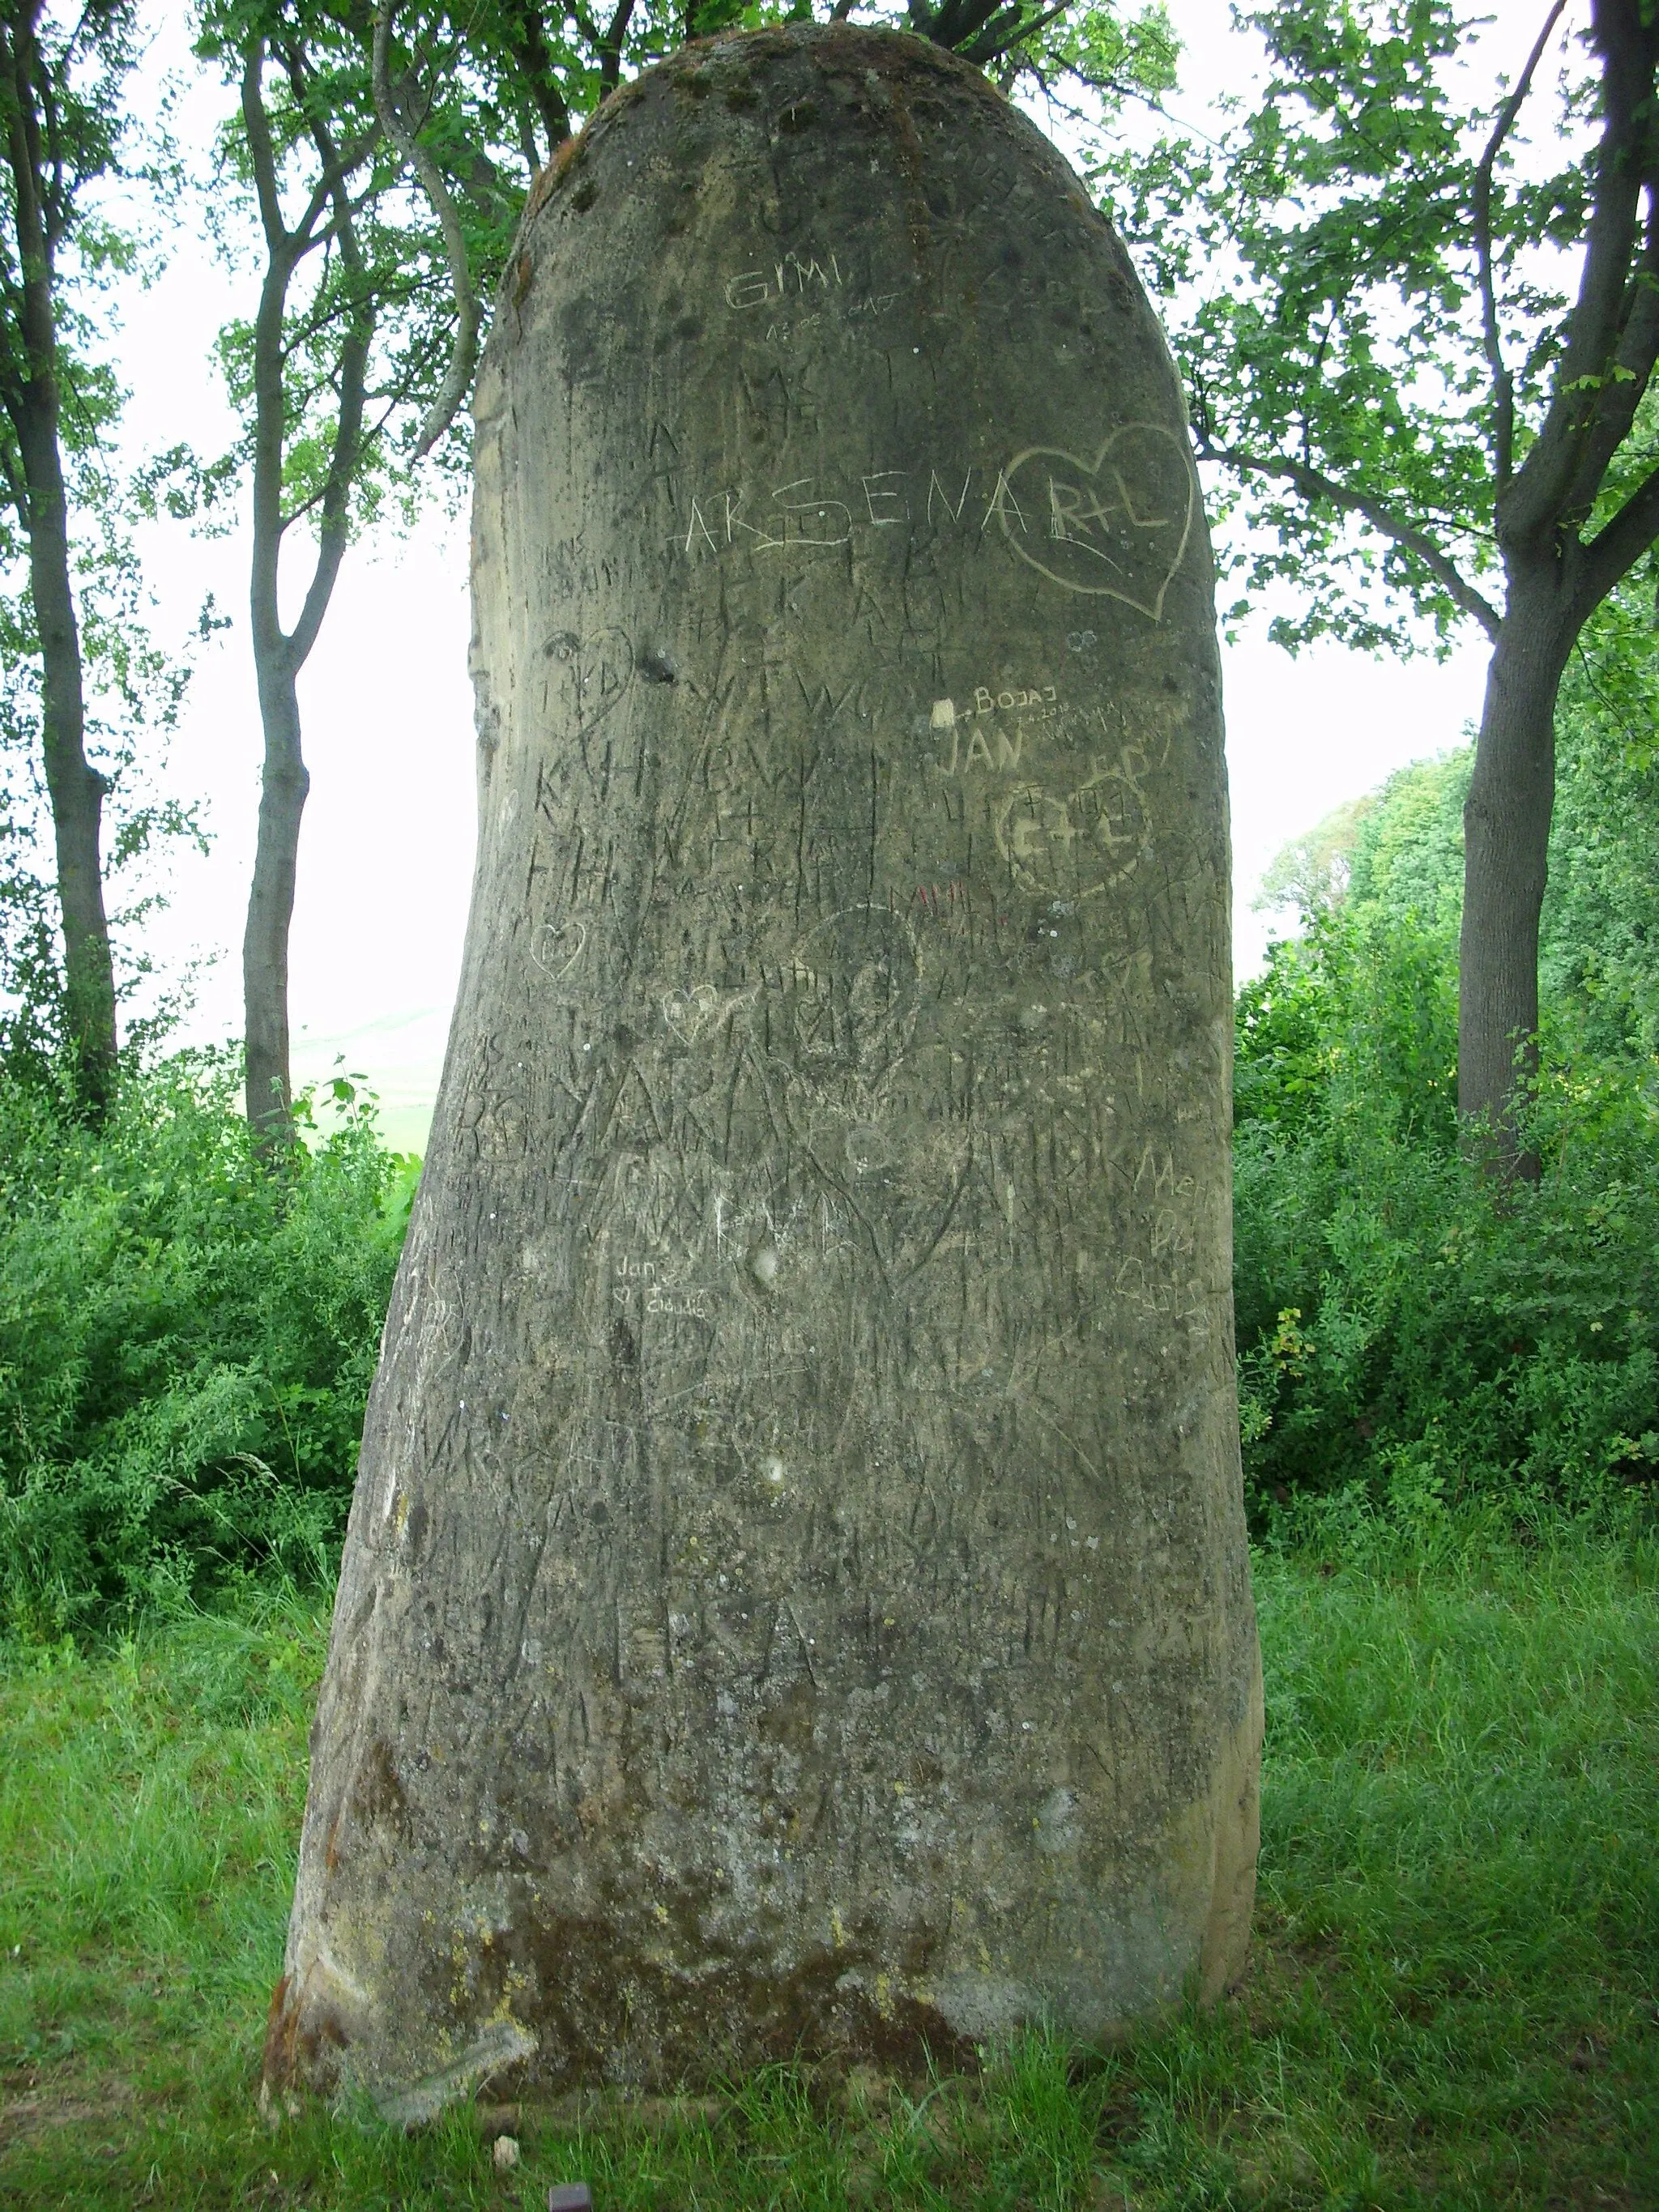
[{"x": 796, "y": 1594}]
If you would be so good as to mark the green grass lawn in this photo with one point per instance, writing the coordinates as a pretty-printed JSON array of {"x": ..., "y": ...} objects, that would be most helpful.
[{"x": 1452, "y": 2001}]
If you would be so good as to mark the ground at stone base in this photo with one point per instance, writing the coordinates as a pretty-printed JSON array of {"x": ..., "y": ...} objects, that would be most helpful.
[{"x": 1451, "y": 2000}]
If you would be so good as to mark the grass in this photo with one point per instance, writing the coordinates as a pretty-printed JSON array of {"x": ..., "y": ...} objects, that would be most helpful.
[{"x": 1452, "y": 2002}]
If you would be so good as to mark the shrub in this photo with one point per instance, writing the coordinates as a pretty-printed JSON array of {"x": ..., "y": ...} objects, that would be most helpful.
[
  {"x": 1405, "y": 1324},
  {"x": 187, "y": 1341}
]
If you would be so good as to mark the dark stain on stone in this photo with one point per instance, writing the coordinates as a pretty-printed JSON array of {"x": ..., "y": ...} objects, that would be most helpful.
[
  {"x": 789, "y": 1723},
  {"x": 379, "y": 1794},
  {"x": 604, "y": 1990},
  {"x": 303, "y": 2042}
]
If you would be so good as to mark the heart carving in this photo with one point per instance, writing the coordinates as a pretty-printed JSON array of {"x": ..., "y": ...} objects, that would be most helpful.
[
  {"x": 557, "y": 946},
  {"x": 690, "y": 1013},
  {"x": 1116, "y": 527},
  {"x": 591, "y": 673}
]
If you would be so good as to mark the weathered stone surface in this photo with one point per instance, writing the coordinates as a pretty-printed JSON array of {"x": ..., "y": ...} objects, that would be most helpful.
[{"x": 796, "y": 1594}]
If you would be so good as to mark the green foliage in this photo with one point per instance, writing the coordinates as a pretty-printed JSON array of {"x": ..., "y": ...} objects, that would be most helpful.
[
  {"x": 1599, "y": 963},
  {"x": 360, "y": 262},
  {"x": 74, "y": 65},
  {"x": 1405, "y": 1328},
  {"x": 186, "y": 1342},
  {"x": 131, "y": 691},
  {"x": 1310, "y": 874},
  {"x": 1397, "y": 854},
  {"x": 1086, "y": 52},
  {"x": 1449, "y": 2002},
  {"x": 1368, "y": 280}
]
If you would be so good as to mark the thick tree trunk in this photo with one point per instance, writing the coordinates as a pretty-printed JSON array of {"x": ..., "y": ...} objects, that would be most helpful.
[
  {"x": 75, "y": 787},
  {"x": 1506, "y": 832},
  {"x": 796, "y": 1597},
  {"x": 282, "y": 791}
]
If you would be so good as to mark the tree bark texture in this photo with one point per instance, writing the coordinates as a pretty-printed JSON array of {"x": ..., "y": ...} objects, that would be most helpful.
[
  {"x": 283, "y": 787},
  {"x": 75, "y": 788},
  {"x": 1506, "y": 835},
  {"x": 74, "y": 785},
  {"x": 796, "y": 1597},
  {"x": 279, "y": 655}
]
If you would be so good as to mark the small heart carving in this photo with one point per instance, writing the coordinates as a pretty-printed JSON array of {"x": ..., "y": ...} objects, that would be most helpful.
[
  {"x": 1116, "y": 527},
  {"x": 557, "y": 946},
  {"x": 593, "y": 673},
  {"x": 689, "y": 1013}
]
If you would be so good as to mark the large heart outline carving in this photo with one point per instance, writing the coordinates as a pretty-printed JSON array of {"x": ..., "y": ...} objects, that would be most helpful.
[{"x": 1100, "y": 534}]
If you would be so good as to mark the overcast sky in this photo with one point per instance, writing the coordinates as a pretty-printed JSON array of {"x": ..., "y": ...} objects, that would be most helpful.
[{"x": 387, "y": 853}]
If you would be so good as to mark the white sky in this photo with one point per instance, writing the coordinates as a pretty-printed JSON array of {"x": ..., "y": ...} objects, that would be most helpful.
[{"x": 387, "y": 852}]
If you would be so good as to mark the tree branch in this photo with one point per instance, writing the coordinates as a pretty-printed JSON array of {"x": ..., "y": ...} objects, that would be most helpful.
[
  {"x": 611, "y": 46},
  {"x": 37, "y": 324},
  {"x": 955, "y": 22},
  {"x": 535, "y": 61},
  {"x": 1530, "y": 508},
  {"x": 344, "y": 457},
  {"x": 1313, "y": 484},
  {"x": 980, "y": 53},
  {"x": 261, "y": 151},
  {"x": 267, "y": 491},
  {"x": 1503, "y": 383},
  {"x": 336, "y": 167},
  {"x": 1617, "y": 547},
  {"x": 1621, "y": 390},
  {"x": 463, "y": 352},
  {"x": 16, "y": 489},
  {"x": 54, "y": 199}
]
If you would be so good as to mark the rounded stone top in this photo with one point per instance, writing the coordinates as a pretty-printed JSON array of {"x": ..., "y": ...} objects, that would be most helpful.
[{"x": 729, "y": 70}]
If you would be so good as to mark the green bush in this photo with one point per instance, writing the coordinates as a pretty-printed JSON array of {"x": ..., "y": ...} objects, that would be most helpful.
[
  {"x": 187, "y": 1341},
  {"x": 1405, "y": 1324},
  {"x": 1412, "y": 1338}
]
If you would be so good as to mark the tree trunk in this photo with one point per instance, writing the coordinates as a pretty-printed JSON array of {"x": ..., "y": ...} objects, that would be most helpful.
[
  {"x": 74, "y": 786},
  {"x": 1506, "y": 833},
  {"x": 796, "y": 1597},
  {"x": 284, "y": 785},
  {"x": 278, "y": 656}
]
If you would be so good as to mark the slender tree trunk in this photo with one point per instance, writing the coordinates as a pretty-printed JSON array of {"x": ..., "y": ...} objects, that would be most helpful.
[
  {"x": 75, "y": 787},
  {"x": 1506, "y": 833},
  {"x": 283, "y": 789},
  {"x": 279, "y": 655}
]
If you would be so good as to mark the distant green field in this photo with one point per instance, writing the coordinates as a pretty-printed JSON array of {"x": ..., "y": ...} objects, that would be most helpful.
[{"x": 1454, "y": 2000}]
